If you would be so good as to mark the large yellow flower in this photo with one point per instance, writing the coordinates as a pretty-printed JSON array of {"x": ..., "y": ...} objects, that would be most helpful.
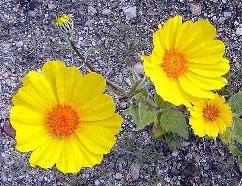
[
  {"x": 186, "y": 62},
  {"x": 210, "y": 117},
  {"x": 64, "y": 118}
]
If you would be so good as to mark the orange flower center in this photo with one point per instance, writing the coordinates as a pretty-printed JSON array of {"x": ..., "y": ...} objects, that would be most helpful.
[
  {"x": 174, "y": 63},
  {"x": 62, "y": 121},
  {"x": 210, "y": 113}
]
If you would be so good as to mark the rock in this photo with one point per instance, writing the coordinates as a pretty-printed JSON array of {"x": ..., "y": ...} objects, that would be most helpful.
[
  {"x": 239, "y": 31},
  {"x": 236, "y": 23},
  {"x": 152, "y": 12},
  {"x": 196, "y": 9},
  {"x": 118, "y": 176},
  {"x": 134, "y": 170},
  {"x": 240, "y": 167},
  {"x": 1, "y": 158},
  {"x": 139, "y": 68},
  {"x": 41, "y": 56},
  {"x": 174, "y": 154},
  {"x": 89, "y": 23},
  {"x": 185, "y": 144},
  {"x": 5, "y": 47},
  {"x": 123, "y": 105},
  {"x": 8, "y": 129},
  {"x": 129, "y": 11},
  {"x": 96, "y": 182},
  {"x": 106, "y": 11},
  {"x": 31, "y": 13},
  {"x": 51, "y": 6},
  {"x": 19, "y": 44},
  {"x": 227, "y": 14},
  {"x": 91, "y": 10}
]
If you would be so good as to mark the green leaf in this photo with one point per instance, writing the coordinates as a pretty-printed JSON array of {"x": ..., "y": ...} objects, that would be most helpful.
[
  {"x": 142, "y": 115},
  {"x": 236, "y": 130},
  {"x": 235, "y": 102},
  {"x": 158, "y": 131},
  {"x": 161, "y": 103},
  {"x": 240, "y": 160},
  {"x": 142, "y": 94},
  {"x": 134, "y": 74},
  {"x": 226, "y": 137},
  {"x": 234, "y": 150},
  {"x": 131, "y": 80},
  {"x": 172, "y": 142},
  {"x": 174, "y": 121}
]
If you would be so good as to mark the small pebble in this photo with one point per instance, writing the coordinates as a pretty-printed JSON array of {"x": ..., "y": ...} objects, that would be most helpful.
[
  {"x": 134, "y": 170},
  {"x": 19, "y": 44},
  {"x": 118, "y": 176},
  {"x": 130, "y": 12},
  {"x": 91, "y": 10},
  {"x": 196, "y": 9},
  {"x": 139, "y": 68},
  {"x": 96, "y": 182},
  {"x": 106, "y": 11},
  {"x": 239, "y": 31}
]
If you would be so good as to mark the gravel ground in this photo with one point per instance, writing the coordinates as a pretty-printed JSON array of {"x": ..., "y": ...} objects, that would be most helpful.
[{"x": 119, "y": 30}]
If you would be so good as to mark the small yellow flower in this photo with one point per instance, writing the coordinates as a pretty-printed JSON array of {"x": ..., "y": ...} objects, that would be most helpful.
[
  {"x": 64, "y": 23},
  {"x": 210, "y": 117},
  {"x": 64, "y": 118},
  {"x": 186, "y": 63}
]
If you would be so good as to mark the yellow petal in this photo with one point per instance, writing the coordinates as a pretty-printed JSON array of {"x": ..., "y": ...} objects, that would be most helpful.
[
  {"x": 209, "y": 129},
  {"x": 21, "y": 115},
  {"x": 37, "y": 94},
  {"x": 158, "y": 39},
  {"x": 148, "y": 64},
  {"x": 50, "y": 70},
  {"x": 185, "y": 37},
  {"x": 29, "y": 138},
  {"x": 46, "y": 155},
  {"x": 66, "y": 84},
  {"x": 95, "y": 141},
  {"x": 194, "y": 90},
  {"x": 90, "y": 85},
  {"x": 198, "y": 126},
  {"x": 206, "y": 83},
  {"x": 164, "y": 85},
  {"x": 210, "y": 70},
  {"x": 74, "y": 156},
  {"x": 196, "y": 114},
  {"x": 206, "y": 52},
  {"x": 192, "y": 34},
  {"x": 221, "y": 125},
  {"x": 113, "y": 123},
  {"x": 170, "y": 30},
  {"x": 98, "y": 108},
  {"x": 207, "y": 29}
]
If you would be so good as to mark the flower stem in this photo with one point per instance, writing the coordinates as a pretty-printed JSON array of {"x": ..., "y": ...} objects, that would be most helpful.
[
  {"x": 89, "y": 66},
  {"x": 133, "y": 89},
  {"x": 149, "y": 105}
]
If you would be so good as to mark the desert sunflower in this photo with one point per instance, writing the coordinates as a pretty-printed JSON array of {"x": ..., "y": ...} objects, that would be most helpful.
[
  {"x": 186, "y": 62},
  {"x": 64, "y": 118},
  {"x": 210, "y": 117}
]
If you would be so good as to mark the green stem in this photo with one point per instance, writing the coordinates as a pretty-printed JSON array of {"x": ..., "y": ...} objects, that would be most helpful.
[
  {"x": 148, "y": 104},
  {"x": 133, "y": 89},
  {"x": 109, "y": 83}
]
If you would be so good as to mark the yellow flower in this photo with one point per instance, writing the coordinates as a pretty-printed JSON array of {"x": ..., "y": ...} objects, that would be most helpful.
[
  {"x": 64, "y": 23},
  {"x": 210, "y": 117},
  {"x": 64, "y": 118},
  {"x": 186, "y": 62}
]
